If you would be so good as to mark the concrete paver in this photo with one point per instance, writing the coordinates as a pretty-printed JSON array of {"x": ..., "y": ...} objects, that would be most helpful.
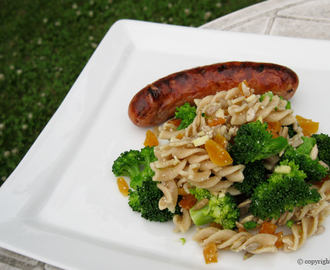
[{"x": 294, "y": 18}]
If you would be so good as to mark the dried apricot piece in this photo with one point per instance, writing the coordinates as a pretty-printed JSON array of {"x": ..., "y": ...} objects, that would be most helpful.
[
  {"x": 308, "y": 125},
  {"x": 279, "y": 242},
  {"x": 267, "y": 227},
  {"x": 179, "y": 136},
  {"x": 215, "y": 121},
  {"x": 175, "y": 122},
  {"x": 151, "y": 139},
  {"x": 220, "y": 140},
  {"x": 218, "y": 154},
  {"x": 122, "y": 186},
  {"x": 210, "y": 252},
  {"x": 245, "y": 89},
  {"x": 274, "y": 128},
  {"x": 188, "y": 201}
]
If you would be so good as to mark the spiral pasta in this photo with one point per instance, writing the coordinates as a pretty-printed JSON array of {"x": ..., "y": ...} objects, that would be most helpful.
[
  {"x": 309, "y": 220},
  {"x": 298, "y": 213},
  {"x": 307, "y": 227},
  {"x": 236, "y": 241},
  {"x": 184, "y": 162}
]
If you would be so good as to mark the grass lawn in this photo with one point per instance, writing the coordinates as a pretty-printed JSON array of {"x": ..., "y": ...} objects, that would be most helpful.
[{"x": 44, "y": 45}]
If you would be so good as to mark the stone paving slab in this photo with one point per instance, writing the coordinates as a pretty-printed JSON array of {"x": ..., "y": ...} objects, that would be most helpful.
[
  {"x": 13, "y": 261},
  {"x": 294, "y": 18}
]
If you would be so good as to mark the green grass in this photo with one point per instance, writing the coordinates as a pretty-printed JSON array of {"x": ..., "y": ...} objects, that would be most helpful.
[{"x": 44, "y": 45}]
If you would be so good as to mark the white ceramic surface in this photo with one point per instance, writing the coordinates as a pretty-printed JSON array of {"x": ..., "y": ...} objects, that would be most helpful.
[{"x": 62, "y": 206}]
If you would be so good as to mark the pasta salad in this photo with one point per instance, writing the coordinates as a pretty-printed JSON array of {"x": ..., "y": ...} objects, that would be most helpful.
[{"x": 243, "y": 166}]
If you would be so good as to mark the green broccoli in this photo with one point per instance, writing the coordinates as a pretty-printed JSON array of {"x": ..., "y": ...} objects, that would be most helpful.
[
  {"x": 147, "y": 156},
  {"x": 301, "y": 156},
  {"x": 128, "y": 164},
  {"x": 144, "y": 195},
  {"x": 291, "y": 131},
  {"x": 271, "y": 95},
  {"x": 254, "y": 142},
  {"x": 183, "y": 240},
  {"x": 286, "y": 188},
  {"x": 200, "y": 193},
  {"x": 250, "y": 225},
  {"x": 135, "y": 164},
  {"x": 254, "y": 174},
  {"x": 145, "y": 201},
  {"x": 289, "y": 223},
  {"x": 220, "y": 209},
  {"x": 323, "y": 145},
  {"x": 288, "y": 104},
  {"x": 307, "y": 146},
  {"x": 187, "y": 115}
]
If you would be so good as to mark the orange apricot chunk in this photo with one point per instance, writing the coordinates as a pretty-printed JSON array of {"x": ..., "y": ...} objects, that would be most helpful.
[
  {"x": 274, "y": 128},
  {"x": 218, "y": 154},
  {"x": 151, "y": 139},
  {"x": 215, "y": 121},
  {"x": 122, "y": 186},
  {"x": 309, "y": 126},
  {"x": 210, "y": 253},
  {"x": 244, "y": 88},
  {"x": 267, "y": 227},
  {"x": 279, "y": 242},
  {"x": 188, "y": 201},
  {"x": 220, "y": 140},
  {"x": 175, "y": 122}
]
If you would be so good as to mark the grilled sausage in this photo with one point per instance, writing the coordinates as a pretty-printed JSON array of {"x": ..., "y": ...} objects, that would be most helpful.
[{"x": 157, "y": 102}]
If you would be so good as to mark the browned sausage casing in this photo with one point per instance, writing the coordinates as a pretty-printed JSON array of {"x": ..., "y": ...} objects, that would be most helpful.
[{"x": 157, "y": 102}]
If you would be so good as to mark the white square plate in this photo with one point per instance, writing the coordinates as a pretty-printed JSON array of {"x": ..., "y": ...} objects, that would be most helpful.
[{"x": 62, "y": 205}]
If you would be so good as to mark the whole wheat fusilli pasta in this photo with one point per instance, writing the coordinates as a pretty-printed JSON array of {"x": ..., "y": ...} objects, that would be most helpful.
[{"x": 184, "y": 162}]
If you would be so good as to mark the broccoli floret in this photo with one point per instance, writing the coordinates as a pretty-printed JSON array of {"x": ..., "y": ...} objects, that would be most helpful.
[
  {"x": 289, "y": 223},
  {"x": 145, "y": 201},
  {"x": 271, "y": 95},
  {"x": 183, "y": 240},
  {"x": 250, "y": 225},
  {"x": 134, "y": 200},
  {"x": 288, "y": 104},
  {"x": 128, "y": 164},
  {"x": 187, "y": 115},
  {"x": 254, "y": 142},
  {"x": 301, "y": 156},
  {"x": 144, "y": 195},
  {"x": 306, "y": 147},
  {"x": 282, "y": 192},
  {"x": 323, "y": 145},
  {"x": 200, "y": 193},
  {"x": 135, "y": 164},
  {"x": 291, "y": 131},
  {"x": 147, "y": 156},
  {"x": 254, "y": 174},
  {"x": 220, "y": 209}
]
